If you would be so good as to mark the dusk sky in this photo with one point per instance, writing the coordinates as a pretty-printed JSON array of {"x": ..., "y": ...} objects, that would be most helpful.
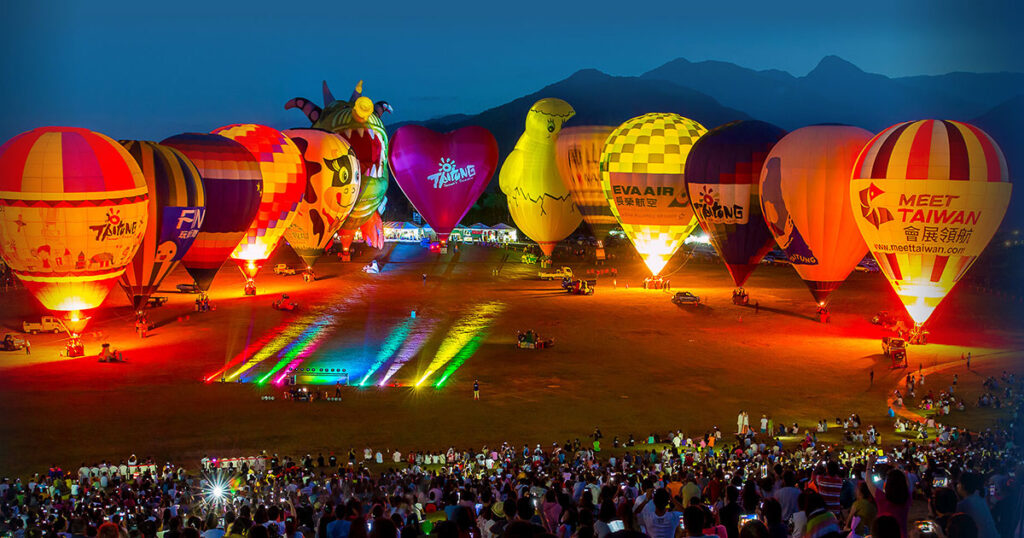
[{"x": 137, "y": 69}]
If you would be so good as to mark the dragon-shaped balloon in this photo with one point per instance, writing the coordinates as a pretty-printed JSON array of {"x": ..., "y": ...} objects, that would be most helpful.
[{"x": 358, "y": 121}]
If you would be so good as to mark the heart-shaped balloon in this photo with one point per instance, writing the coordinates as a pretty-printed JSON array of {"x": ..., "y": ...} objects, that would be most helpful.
[{"x": 443, "y": 174}]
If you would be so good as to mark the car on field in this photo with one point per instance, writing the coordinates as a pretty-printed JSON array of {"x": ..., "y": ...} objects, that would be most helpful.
[
  {"x": 48, "y": 324},
  {"x": 285, "y": 303},
  {"x": 12, "y": 342},
  {"x": 531, "y": 340},
  {"x": 560, "y": 273},
  {"x": 685, "y": 298},
  {"x": 582, "y": 287},
  {"x": 284, "y": 269},
  {"x": 884, "y": 318},
  {"x": 155, "y": 301},
  {"x": 775, "y": 257},
  {"x": 188, "y": 288}
]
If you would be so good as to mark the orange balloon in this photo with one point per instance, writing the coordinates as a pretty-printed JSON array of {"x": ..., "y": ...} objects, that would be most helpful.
[{"x": 805, "y": 199}]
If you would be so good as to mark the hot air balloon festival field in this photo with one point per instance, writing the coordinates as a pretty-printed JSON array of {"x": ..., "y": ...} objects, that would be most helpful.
[{"x": 238, "y": 291}]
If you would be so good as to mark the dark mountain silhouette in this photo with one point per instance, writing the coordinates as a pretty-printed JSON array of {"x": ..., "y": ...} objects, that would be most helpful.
[
  {"x": 598, "y": 98},
  {"x": 838, "y": 91},
  {"x": 1003, "y": 123},
  {"x": 714, "y": 92},
  {"x": 988, "y": 88}
]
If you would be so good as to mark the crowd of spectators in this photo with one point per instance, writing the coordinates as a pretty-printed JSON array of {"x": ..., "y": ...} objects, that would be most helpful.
[{"x": 747, "y": 485}]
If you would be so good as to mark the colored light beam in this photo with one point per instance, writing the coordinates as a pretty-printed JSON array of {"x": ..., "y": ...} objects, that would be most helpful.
[
  {"x": 390, "y": 345},
  {"x": 420, "y": 334},
  {"x": 308, "y": 348},
  {"x": 464, "y": 354},
  {"x": 271, "y": 349},
  {"x": 303, "y": 345},
  {"x": 246, "y": 352},
  {"x": 460, "y": 335}
]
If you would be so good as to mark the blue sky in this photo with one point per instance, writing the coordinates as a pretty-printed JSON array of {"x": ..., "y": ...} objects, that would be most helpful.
[{"x": 141, "y": 69}]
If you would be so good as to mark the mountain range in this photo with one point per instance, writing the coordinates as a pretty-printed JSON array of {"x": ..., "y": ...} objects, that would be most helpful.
[{"x": 714, "y": 92}]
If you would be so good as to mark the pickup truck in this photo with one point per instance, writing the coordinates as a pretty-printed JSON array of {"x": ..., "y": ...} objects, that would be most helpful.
[
  {"x": 155, "y": 301},
  {"x": 283, "y": 269},
  {"x": 188, "y": 288},
  {"x": 560, "y": 273},
  {"x": 46, "y": 324}
]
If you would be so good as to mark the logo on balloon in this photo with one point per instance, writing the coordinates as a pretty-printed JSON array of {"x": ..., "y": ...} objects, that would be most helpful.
[
  {"x": 711, "y": 209},
  {"x": 448, "y": 173},
  {"x": 114, "y": 228},
  {"x": 876, "y": 216}
]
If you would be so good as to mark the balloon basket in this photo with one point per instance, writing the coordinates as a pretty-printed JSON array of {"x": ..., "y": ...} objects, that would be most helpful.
[{"x": 75, "y": 348}]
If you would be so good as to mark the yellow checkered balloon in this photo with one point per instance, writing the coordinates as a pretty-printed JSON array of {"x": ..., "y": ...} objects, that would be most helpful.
[{"x": 642, "y": 177}]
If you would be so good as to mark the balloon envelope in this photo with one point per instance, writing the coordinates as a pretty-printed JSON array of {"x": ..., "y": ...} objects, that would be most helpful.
[
  {"x": 233, "y": 186},
  {"x": 538, "y": 199},
  {"x": 72, "y": 214},
  {"x": 443, "y": 174},
  {"x": 331, "y": 191},
  {"x": 578, "y": 155},
  {"x": 642, "y": 167},
  {"x": 927, "y": 197},
  {"x": 358, "y": 122},
  {"x": 177, "y": 204},
  {"x": 805, "y": 198},
  {"x": 722, "y": 174},
  {"x": 284, "y": 182}
]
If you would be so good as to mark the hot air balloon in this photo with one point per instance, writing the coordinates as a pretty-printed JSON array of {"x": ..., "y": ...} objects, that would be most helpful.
[
  {"x": 331, "y": 191},
  {"x": 722, "y": 175},
  {"x": 540, "y": 204},
  {"x": 443, "y": 174},
  {"x": 578, "y": 155},
  {"x": 642, "y": 166},
  {"x": 358, "y": 121},
  {"x": 284, "y": 182},
  {"x": 177, "y": 204},
  {"x": 927, "y": 197},
  {"x": 73, "y": 210},
  {"x": 233, "y": 186},
  {"x": 805, "y": 198}
]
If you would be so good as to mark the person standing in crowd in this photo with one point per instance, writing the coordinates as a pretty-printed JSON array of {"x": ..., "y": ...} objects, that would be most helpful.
[
  {"x": 829, "y": 484},
  {"x": 658, "y": 520},
  {"x": 729, "y": 514},
  {"x": 970, "y": 487},
  {"x": 788, "y": 494},
  {"x": 892, "y": 497},
  {"x": 864, "y": 510}
]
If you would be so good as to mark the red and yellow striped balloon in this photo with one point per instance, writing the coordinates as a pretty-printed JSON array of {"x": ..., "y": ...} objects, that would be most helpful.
[
  {"x": 73, "y": 211},
  {"x": 928, "y": 196},
  {"x": 284, "y": 182}
]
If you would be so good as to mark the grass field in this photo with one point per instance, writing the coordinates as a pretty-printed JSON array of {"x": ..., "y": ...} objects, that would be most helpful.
[{"x": 627, "y": 360}]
